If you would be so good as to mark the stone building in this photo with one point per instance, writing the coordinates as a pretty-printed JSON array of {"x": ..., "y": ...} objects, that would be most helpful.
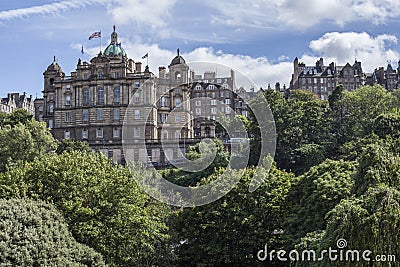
[
  {"x": 15, "y": 100},
  {"x": 389, "y": 78},
  {"x": 164, "y": 117},
  {"x": 322, "y": 80}
]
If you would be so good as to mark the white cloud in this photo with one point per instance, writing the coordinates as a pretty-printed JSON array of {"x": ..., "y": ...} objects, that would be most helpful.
[
  {"x": 345, "y": 47},
  {"x": 302, "y": 13},
  {"x": 153, "y": 12},
  {"x": 48, "y": 8}
]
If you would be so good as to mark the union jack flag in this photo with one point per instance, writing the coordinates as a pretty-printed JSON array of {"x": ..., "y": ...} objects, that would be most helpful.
[{"x": 95, "y": 35}]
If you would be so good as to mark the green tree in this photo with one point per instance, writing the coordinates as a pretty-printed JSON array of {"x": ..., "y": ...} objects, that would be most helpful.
[
  {"x": 34, "y": 233},
  {"x": 362, "y": 106},
  {"x": 387, "y": 124},
  {"x": 103, "y": 206},
  {"x": 313, "y": 195},
  {"x": 231, "y": 230},
  {"x": 69, "y": 145},
  {"x": 24, "y": 142}
]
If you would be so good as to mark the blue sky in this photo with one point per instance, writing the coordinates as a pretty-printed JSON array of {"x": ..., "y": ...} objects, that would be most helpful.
[{"x": 260, "y": 38}]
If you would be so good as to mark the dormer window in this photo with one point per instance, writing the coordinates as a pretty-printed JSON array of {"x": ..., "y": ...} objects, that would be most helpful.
[{"x": 198, "y": 87}]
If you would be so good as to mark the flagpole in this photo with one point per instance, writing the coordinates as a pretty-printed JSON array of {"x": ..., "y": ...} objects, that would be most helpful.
[
  {"x": 100, "y": 42},
  {"x": 147, "y": 59}
]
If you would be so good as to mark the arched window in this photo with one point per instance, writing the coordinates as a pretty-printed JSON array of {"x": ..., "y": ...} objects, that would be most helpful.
[{"x": 178, "y": 76}]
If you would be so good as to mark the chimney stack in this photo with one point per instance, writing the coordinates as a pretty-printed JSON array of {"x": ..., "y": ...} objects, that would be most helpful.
[{"x": 138, "y": 66}]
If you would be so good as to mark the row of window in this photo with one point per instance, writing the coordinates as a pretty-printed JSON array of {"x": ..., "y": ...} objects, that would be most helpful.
[
  {"x": 99, "y": 115},
  {"x": 227, "y": 101},
  {"x": 99, "y": 133},
  {"x": 214, "y": 110},
  {"x": 211, "y": 87},
  {"x": 100, "y": 96},
  {"x": 100, "y": 75}
]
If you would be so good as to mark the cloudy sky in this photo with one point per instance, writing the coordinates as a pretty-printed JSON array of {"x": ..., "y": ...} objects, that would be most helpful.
[{"x": 260, "y": 38}]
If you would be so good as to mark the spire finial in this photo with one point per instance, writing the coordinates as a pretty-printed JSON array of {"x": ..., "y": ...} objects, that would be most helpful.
[
  {"x": 114, "y": 27},
  {"x": 177, "y": 50},
  {"x": 54, "y": 59}
]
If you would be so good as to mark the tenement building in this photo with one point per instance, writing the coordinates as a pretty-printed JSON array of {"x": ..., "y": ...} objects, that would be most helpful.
[
  {"x": 322, "y": 80},
  {"x": 166, "y": 113},
  {"x": 389, "y": 78},
  {"x": 15, "y": 100}
]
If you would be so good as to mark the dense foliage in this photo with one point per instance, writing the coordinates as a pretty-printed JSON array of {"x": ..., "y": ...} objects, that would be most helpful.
[
  {"x": 335, "y": 175},
  {"x": 34, "y": 233}
]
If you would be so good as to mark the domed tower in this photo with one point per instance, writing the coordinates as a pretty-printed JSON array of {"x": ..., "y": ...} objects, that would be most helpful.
[
  {"x": 53, "y": 72},
  {"x": 178, "y": 70},
  {"x": 114, "y": 49},
  {"x": 52, "y": 75}
]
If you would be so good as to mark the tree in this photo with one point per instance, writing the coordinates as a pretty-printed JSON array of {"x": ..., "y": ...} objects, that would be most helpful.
[
  {"x": 377, "y": 165},
  {"x": 19, "y": 115},
  {"x": 313, "y": 195},
  {"x": 24, "y": 142},
  {"x": 231, "y": 230},
  {"x": 69, "y": 145},
  {"x": 103, "y": 206},
  {"x": 34, "y": 233},
  {"x": 370, "y": 222},
  {"x": 362, "y": 106},
  {"x": 387, "y": 124}
]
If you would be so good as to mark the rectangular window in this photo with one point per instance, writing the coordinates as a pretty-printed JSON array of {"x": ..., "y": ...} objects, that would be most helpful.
[
  {"x": 41, "y": 109},
  {"x": 213, "y": 102},
  {"x": 116, "y": 75},
  {"x": 213, "y": 110},
  {"x": 136, "y": 132},
  {"x": 67, "y": 116},
  {"x": 198, "y": 87},
  {"x": 85, "y": 115},
  {"x": 68, "y": 87},
  {"x": 137, "y": 114},
  {"x": 51, "y": 108},
  {"x": 198, "y": 103},
  {"x": 100, "y": 75},
  {"x": 85, "y": 134},
  {"x": 85, "y": 76},
  {"x": 99, "y": 114},
  {"x": 177, "y": 134},
  {"x": 100, "y": 96},
  {"x": 67, "y": 134},
  {"x": 117, "y": 95},
  {"x": 116, "y": 133},
  {"x": 198, "y": 111},
  {"x": 67, "y": 100},
  {"x": 99, "y": 133},
  {"x": 177, "y": 118},
  {"x": 227, "y": 101},
  {"x": 177, "y": 102},
  {"x": 228, "y": 110},
  {"x": 211, "y": 87},
  {"x": 116, "y": 114},
  {"x": 86, "y": 96},
  {"x": 50, "y": 124},
  {"x": 137, "y": 97},
  {"x": 137, "y": 84}
]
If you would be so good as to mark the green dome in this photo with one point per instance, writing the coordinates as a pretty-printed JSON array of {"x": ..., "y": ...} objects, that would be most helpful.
[{"x": 114, "y": 50}]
